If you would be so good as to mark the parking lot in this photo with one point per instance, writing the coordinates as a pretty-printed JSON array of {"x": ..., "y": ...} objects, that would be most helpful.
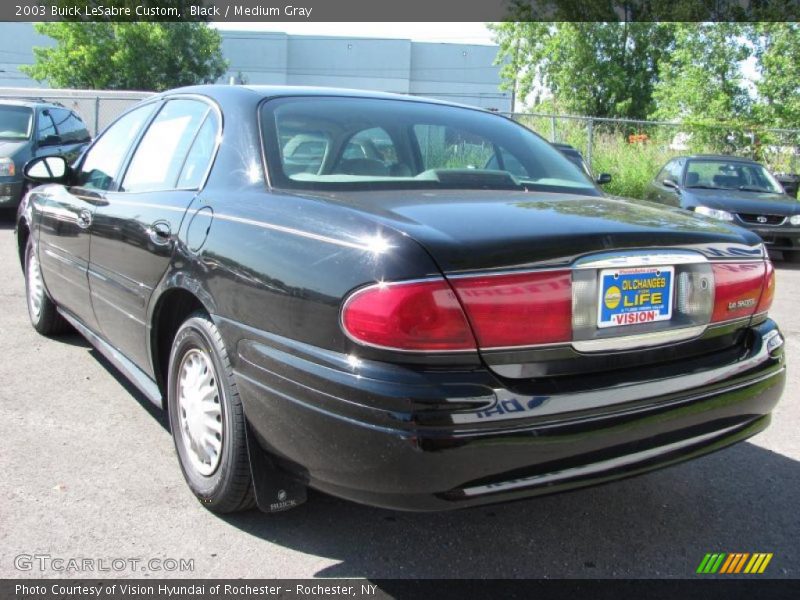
[{"x": 89, "y": 471}]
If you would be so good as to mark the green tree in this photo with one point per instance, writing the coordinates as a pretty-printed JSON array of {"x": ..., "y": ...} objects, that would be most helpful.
[
  {"x": 597, "y": 69},
  {"x": 128, "y": 56},
  {"x": 700, "y": 77},
  {"x": 778, "y": 53}
]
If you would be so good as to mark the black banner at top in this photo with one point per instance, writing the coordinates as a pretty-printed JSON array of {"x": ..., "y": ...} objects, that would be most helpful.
[{"x": 399, "y": 10}]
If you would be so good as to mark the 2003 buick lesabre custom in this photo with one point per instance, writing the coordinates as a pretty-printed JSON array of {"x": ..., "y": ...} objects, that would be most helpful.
[{"x": 400, "y": 302}]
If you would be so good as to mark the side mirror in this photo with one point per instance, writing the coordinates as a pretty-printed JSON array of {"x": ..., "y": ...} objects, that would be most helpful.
[
  {"x": 671, "y": 184},
  {"x": 603, "y": 178},
  {"x": 50, "y": 140},
  {"x": 46, "y": 169}
]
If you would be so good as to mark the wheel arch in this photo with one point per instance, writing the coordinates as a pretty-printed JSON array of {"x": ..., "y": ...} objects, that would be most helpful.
[
  {"x": 169, "y": 310},
  {"x": 23, "y": 235}
]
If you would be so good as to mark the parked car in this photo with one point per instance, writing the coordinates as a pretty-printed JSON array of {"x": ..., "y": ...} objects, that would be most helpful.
[
  {"x": 736, "y": 190},
  {"x": 572, "y": 153},
  {"x": 408, "y": 330},
  {"x": 31, "y": 128}
]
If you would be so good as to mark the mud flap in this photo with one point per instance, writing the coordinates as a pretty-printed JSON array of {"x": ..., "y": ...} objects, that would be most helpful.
[{"x": 275, "y": 491}]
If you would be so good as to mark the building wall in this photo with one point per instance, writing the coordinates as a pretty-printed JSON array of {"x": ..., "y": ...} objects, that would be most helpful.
[
  {"x": 462, "y": 73},
  {"x": 16, "y": 49}
]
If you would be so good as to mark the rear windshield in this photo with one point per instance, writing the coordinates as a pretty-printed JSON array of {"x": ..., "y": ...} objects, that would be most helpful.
[
  {"x": 15, "y": 122},
  {"x": 331, "y": 143}
]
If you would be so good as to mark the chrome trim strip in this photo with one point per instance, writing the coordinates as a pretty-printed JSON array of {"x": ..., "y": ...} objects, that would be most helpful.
[
  {"x": 138, "y": 377},
  {"x": 483, "y": 274},
  {"x": 639, "y": 258},
  {"x": 292, "y": 231},
  {"x": 596, "y": 468},
  {"x": 630, "y": 342},
  {"x": 742, "y": 320},
  {"x": 100, "y": 272},
  {"x": 67, "y": 260}
]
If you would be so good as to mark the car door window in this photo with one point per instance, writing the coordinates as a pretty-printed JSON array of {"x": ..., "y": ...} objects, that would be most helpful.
[
  {"x": 161, "y": 154},
  {"x": 69, "y": 126},
  {"x": 104, "y": 159},
  {"x": 46, "y": 126},
  {"x": 676, "y": 171},
  {"x": 200, "y": 154},
  {"x": 670, "y": 172}
]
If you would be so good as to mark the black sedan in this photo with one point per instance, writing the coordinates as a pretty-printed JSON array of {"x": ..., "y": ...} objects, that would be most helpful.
[
  {"x": 328, "y": 288},
  {"x": 735, "y": 190}
]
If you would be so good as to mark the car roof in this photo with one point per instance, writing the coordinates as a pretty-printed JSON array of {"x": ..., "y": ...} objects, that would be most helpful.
[
  {"x": 29, "y": 102},
  {"x": 221, "y": 92},
  {"x": 724, "y": 157}
]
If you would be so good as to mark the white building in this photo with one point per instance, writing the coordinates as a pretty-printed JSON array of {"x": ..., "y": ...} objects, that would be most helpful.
[{"x": 462, "y": 73}]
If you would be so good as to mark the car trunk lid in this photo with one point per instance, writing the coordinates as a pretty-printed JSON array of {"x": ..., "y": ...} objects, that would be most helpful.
[{"x": 521, "y": 263}]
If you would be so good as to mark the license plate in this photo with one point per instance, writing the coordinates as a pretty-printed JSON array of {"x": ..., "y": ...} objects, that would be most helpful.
[{"x": 635, "y": 296}]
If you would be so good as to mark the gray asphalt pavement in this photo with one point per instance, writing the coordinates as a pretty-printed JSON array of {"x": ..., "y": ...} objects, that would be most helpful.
[{"x": 88, "y": 471}]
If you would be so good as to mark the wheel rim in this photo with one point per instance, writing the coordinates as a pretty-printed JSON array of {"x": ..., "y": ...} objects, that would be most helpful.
[
  {"x": 200, "y": 411},
  {"x": 35, "y": 286}
]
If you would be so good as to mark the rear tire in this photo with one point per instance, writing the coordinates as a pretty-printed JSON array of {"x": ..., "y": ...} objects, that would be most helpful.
[
  {"x": 41, "y": 309},
  {"x": 206, "y": 418}
]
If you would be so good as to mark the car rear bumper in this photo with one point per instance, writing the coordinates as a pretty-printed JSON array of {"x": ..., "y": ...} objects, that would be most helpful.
[{"x": 411, "y": 439}]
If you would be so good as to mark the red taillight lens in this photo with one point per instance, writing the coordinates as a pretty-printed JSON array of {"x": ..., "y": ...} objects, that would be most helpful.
[
  {"x": 737, "y": 289},
  {"x": 421, "y": 316},
  {"x": 520, "y": 309},
  {"x": 768, "y": 293}
]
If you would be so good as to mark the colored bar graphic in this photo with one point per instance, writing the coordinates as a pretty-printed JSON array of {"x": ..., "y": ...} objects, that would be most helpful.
[
  {"x": 741, "y": 562},
  {"x": 734, "y": 563},
  {"x": 703, "y": 563},
  {"x": 765, "y": 563},
  {"x": 728, "y": 564}
]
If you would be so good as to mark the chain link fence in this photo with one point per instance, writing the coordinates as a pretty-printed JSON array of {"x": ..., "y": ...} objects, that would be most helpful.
[
  {"x": 97, "y": 108},
  {"x": 633, "y": 151}
]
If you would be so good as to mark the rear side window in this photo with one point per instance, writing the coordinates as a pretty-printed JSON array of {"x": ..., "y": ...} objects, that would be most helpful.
[
  {"x": 46, "y": 125},
  {"x": 165, "y": 146},
  {"x": 200, "y": 154},
  {"x": 104, "y": 159},
  {"x": 69, "y": 126}
]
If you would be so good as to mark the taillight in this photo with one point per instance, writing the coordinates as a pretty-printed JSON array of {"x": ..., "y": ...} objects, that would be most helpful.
[
  {"x": 529, "y": 309},
  {"x": 737, "y": 289},
  {"x": 768, "y": 293},
  {"x": 518, "y": 309},
  {"x": 421, "y": 316}
]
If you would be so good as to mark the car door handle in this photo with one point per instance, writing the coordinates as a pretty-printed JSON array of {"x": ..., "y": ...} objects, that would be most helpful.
[
  {"x": 159, "y": 233},
  {"x": 84, "y": 219}
]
